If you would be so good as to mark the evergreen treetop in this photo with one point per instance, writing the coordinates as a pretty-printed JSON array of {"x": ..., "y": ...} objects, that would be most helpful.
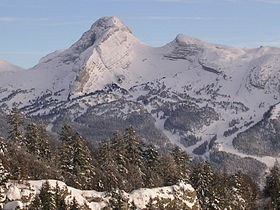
[{"x": 15, "y": 121}]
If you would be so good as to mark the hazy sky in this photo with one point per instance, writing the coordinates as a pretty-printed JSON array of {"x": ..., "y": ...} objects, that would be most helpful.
[{"x": 30, "y": 29}]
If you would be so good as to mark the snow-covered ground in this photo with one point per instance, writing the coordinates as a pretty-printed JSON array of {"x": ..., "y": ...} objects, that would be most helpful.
[{"x": 21, "y": 194}]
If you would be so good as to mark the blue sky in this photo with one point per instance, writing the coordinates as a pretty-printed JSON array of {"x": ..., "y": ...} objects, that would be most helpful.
[{"x": 30, "y": 29}]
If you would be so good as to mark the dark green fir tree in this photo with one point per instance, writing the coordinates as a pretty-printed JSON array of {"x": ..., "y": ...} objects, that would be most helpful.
[
  {"x": 272, "y": 188},
  {"x": 15, "y": 121},
  {"x": 76, "y": 161}
]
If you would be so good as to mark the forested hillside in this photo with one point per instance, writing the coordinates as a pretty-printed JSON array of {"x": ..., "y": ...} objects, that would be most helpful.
[{"x": 120, "y": 167}]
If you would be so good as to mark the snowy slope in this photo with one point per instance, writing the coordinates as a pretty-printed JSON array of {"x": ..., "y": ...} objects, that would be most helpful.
[
  {"x": 192, "y": 90},
  {"x": 6, "y": 66}
]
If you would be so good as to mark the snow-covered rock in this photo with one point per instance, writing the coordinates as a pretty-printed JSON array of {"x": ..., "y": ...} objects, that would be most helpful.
[
  {"x": 183, "y": 192},
  {"x": 13, "y": 193},
  {"x": 13, "y": 205}
]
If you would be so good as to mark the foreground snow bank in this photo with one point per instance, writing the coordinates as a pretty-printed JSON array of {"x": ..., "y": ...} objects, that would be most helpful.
[{"x": 19, "y": 195}]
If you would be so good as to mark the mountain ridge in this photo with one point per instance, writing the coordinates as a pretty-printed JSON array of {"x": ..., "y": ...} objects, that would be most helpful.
[{"x": 184, "y": 92}]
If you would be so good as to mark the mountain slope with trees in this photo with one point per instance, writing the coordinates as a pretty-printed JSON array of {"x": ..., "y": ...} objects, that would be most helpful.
[{"x": 118, "y": 171}]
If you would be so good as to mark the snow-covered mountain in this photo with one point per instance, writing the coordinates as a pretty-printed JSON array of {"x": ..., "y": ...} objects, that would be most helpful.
[
  {"x": 197, "y": 95},
  {"x": 6, "y": 66}
]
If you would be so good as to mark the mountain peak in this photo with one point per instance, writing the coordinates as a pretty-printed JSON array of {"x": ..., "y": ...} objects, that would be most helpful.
[
  {"x": 100, "y": 31},
  {"x": 108, "y": 22},
  {"x": 184, "y": 39},
  {"x": 6, "y": 66}
]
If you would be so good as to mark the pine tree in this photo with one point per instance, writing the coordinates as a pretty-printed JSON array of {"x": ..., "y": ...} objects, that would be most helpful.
[
  {"x": 151, "y": 163},
  {"x": 31, "y": 138},
  {"x": 109, "y": 167},
  {"x": 168, "y": 169},
  {"x": 133, "y": 146},
  {"x": 150, "y": 156},
  {"x": 15, "y": 121},
  {"x": 3, "y": 146},
  {"x": 4, "y": 174},
  {"x": 75, "y": 159},
  {"x": 45, "y": 151},
  {"x": 118, "y": 145},
  {"x": 182, "y": 160},
  {"x": 134, "y": 155},
  {"x": 59, "y": 197},
  {"x": 150, "y": 205},
  {"x": 50, "y": 198},
  {"x": 74, "y": 205},
  {"x": 47, "y": 197},
  {"x": 117, "y": 200},
  {"x": 272, "y": 187},
  {"x": 126, "y": 171},
  {"x": 132, "y": 206},
  {"x": 66, "y": 153},
  {"x": 83, "y": 162},
  {"x": 223, "y": 192},
  {"x": 203, "y": 179},
  {"x": 243, "y": 191},
  {"x": 36, "y": 141},
  {"x": 36, "y": 203}
]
